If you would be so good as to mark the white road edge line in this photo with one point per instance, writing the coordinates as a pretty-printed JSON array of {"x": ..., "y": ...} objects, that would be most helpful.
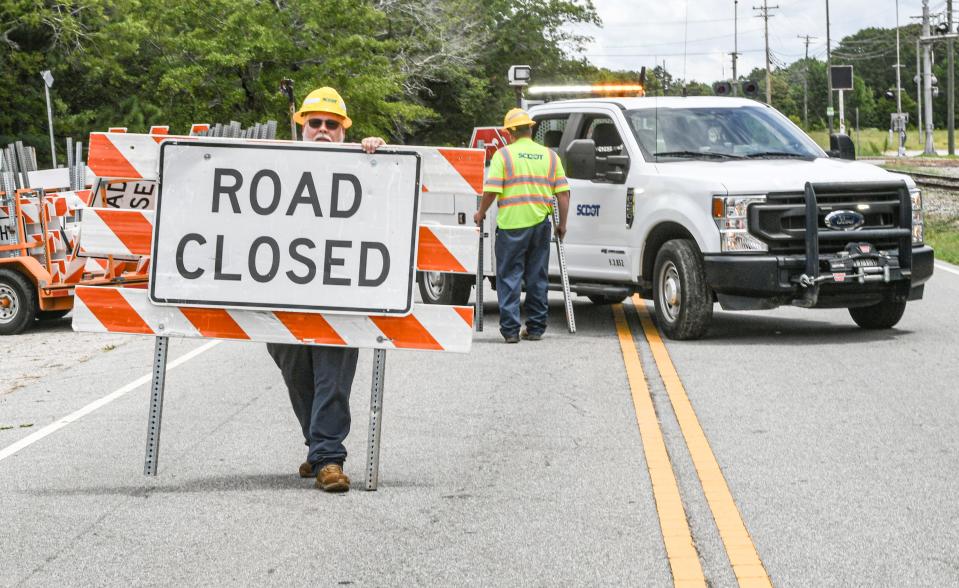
[
  {"x": 96, "y": 404},
  {"x": 946, "y": 268}
]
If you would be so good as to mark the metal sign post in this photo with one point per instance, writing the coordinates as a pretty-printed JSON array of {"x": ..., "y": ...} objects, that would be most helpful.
[
  {"x": 841, "y": 78},
  {"x": 376, "y": 419},
  {"x": 156, "y": 407},
  {"x": 842, "y": 114}
]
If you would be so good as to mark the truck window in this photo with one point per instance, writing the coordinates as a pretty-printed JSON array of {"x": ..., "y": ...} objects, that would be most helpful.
[
  {"x": 549, "y": 130},
  {"x": 728, "y": 132},
  {"x": 602, "y": 130},
  {"x": 604, "y": 134}
]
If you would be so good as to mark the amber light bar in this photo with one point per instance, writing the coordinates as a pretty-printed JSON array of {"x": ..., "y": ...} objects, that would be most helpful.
[{"x": 588, "y": 89}]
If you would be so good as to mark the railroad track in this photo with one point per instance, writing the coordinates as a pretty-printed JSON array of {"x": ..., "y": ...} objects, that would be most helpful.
[{"x": 935, "y": 181}]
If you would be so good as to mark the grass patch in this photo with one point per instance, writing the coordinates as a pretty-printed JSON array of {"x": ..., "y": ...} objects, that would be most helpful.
[
  {"x": 874, "y": 142},
  {"x": 942, "y": 234}
]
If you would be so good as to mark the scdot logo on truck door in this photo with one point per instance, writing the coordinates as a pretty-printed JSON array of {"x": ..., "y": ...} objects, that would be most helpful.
[{"x": 587, "y": 210}]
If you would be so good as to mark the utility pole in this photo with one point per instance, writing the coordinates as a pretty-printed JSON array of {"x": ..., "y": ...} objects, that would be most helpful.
[
  {"x": 764, "y": 14},
  {"x": 927, "y": 81},
  {"x": 950, "y": 82},
  {"x": 901, "y": 131},
  {"x": 805, "y": 83},
  {"x": 920, "y": 128},
  {"x": 735, "y": 46},
  {"x": 828, "y": 69}
]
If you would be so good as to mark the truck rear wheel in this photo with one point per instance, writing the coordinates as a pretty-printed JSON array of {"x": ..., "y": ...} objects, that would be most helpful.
[
  {"x": 684, "y": 304},
  {"x": 18, "y": 302},
  {"x": 440, "y": 288},
  {"x": 884, "y": 315}
]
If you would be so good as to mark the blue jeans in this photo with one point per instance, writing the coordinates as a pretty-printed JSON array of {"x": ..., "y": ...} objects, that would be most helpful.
[
  {"x": 319, "y": 381},
  {"x": 523, "y": 255}
]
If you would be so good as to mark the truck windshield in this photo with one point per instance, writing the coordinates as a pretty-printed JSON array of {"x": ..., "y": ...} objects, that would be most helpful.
[{"x": 719, "y": 134}]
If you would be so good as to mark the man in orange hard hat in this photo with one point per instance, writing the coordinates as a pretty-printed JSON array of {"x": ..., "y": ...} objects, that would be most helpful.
[
  {"x": 524, "y": 178},
  {"x": 319, "y": 379}
]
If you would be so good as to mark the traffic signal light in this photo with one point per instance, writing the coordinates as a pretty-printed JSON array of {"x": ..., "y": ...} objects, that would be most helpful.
[
  {"x": 723, "y": 89},
  {"x": 750, "y": 89}
]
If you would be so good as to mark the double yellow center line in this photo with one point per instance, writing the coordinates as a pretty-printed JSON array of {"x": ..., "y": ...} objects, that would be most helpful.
[{"x": 684, "y": 561}]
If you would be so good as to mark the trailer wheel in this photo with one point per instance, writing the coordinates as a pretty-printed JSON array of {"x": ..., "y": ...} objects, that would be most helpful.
[
  {"x": 441, "y": 288},
  {"x": 683, "y": 301},
  {"x": 18, "y": 302},
  {"x": 603, "y": 299},
  {"x": 883, "y": 315},
  {"x": 51, "y": 315}
]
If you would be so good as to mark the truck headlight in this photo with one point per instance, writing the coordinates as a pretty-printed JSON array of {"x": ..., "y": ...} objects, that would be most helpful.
[
  {"x": 731, "y": 216},
  {"x": 918, "y": 222}
]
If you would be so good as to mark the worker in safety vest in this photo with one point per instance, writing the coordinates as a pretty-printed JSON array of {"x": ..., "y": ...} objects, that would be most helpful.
[
  {"x": 523, "y": 179},
  {"x": 319, "y": 378}
]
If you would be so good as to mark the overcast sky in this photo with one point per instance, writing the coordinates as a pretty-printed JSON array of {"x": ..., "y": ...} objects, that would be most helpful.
[{"x": 646, "y": 32}]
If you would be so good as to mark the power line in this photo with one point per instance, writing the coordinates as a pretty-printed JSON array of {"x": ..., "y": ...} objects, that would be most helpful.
[
  {"x": 700, "y": 40},
  {"x": 665, "y": 54}
]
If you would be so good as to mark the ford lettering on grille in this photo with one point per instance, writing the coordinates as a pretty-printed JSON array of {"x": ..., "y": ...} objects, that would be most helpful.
[{"x": 844, "y": 220}]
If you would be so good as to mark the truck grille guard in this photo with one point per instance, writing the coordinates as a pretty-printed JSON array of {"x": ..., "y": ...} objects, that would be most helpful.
[{"x": 859, "y": 261}]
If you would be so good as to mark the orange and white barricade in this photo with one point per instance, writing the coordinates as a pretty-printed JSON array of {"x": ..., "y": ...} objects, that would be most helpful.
[{"x": 216, "y": 271}]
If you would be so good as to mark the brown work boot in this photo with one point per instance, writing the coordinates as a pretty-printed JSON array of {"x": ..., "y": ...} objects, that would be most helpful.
[
  {"x": 306, "y": 470},
  {"x": 331, "y": 478}
]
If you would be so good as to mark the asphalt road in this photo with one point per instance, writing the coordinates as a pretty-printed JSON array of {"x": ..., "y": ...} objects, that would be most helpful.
[{"x": 519, "y": 465}]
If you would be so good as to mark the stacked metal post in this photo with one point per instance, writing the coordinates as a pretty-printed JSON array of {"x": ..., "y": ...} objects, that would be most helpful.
[
  {"x": 234, "y": 130},
  {"x": 8, "y": 220}
]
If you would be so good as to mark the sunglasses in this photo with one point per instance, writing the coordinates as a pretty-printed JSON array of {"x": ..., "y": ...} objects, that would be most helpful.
[{"x": 317, "y": 123}]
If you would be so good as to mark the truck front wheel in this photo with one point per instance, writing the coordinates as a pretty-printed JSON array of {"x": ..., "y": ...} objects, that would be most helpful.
[
  {"x": 440, "y": 288},
  {"x": 683, "y": 301},
  {"x": 884, "y": 315},
  {"x": 18, "y": 302}
]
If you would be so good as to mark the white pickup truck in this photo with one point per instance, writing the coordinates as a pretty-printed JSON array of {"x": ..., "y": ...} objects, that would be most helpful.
[{"x": 698, "y": 200}]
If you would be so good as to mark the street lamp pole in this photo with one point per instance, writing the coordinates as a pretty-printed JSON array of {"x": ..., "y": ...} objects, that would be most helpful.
[{"x": 47, "y": 82}]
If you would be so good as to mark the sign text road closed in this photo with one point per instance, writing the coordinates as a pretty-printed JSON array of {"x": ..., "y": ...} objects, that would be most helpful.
[{"x": 300, "y": 226}]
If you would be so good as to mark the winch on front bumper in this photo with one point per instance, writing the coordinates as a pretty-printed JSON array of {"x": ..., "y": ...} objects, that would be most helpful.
[{"x": 859, "y": 267}]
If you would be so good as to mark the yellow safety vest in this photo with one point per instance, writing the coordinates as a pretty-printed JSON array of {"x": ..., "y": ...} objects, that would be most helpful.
[{"x": 525, "y": 176}]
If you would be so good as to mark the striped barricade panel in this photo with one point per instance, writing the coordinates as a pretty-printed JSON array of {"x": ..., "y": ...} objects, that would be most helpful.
[
  {"x": 129, "y": 233},
  {"x": 126, "y": 156},
  {"x": 126, "y": 310}
]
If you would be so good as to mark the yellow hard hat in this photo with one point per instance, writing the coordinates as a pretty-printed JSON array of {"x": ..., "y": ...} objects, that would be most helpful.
[
  {"x": 517, "y": 117},
  {"x": 324, "y": 99}
]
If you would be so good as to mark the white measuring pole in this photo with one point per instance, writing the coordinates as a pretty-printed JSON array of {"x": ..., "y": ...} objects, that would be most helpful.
[
  {"x": 564, "y": 277},
  {"x": 479, "y": 273}
]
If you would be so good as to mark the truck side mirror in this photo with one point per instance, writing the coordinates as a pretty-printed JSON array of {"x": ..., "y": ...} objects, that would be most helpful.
[
  {"x": 581, "y": 159},
  {"x": 841, "y": 146}
]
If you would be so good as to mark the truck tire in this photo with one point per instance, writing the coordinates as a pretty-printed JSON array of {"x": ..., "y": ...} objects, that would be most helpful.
[
  {"x": 603, "y": 299},
  {"x": 18, "y": 302},
  {"x": 884, "y": 315},
  {"x": 683, "y": 301},
  {"x": 440, "y": 288}
]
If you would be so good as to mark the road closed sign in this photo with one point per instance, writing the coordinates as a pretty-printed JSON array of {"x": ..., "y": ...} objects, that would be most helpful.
[{"x": 308, "y": 227}]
